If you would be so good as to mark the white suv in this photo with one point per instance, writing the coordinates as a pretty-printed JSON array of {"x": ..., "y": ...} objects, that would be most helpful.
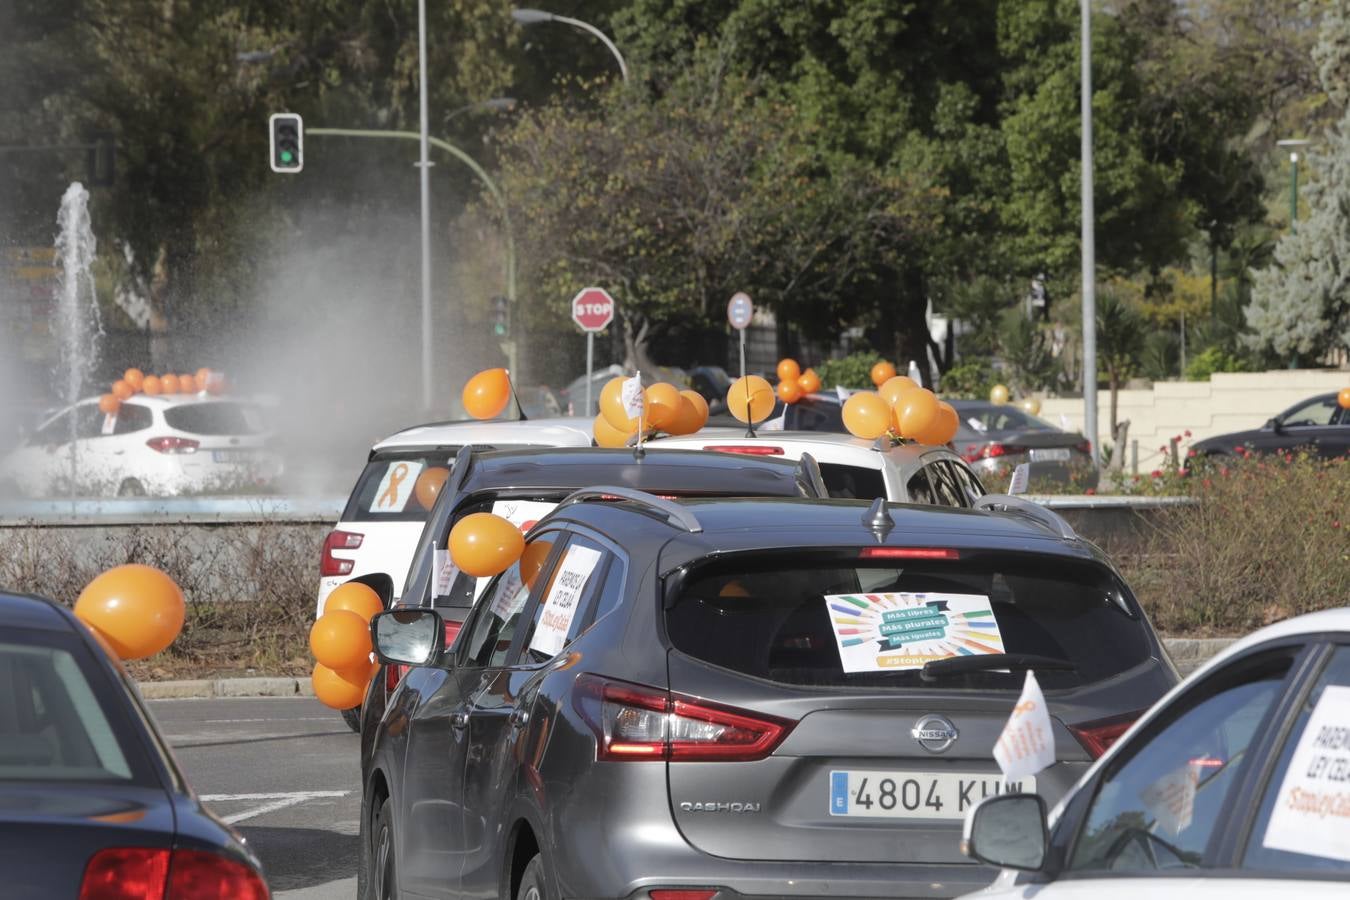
[
  {"x": 853, "y": 467},
  {"x": 160, "y": 446},
  {"x": 375, "y": 539}
]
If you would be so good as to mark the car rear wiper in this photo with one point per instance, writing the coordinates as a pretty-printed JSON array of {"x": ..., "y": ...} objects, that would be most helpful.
[{"x": 959, "y": 665}]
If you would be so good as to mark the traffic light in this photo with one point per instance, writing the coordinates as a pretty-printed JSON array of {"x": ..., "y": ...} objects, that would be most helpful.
[
  {"x": 501, "y": 316},
  {"x": 287, "y": 133}
]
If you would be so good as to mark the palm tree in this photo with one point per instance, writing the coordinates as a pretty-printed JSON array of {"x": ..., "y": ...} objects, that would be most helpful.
[{"x": 1120, "y": 340}]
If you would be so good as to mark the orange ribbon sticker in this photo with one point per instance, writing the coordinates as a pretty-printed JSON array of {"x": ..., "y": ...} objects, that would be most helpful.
[{"x": 390, "y": 495}]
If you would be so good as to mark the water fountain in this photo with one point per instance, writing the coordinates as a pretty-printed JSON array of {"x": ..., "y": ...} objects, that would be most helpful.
[{"x": 78, "y": 324}]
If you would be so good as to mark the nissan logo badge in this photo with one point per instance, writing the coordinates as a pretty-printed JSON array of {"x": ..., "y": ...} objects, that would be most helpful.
[{"x": 934, "y": 733}]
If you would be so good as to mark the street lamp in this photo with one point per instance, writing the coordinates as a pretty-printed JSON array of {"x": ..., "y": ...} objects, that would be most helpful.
[
  {"x": 496, "y": 104},
  {"x": 538, "y": 16},
  {"x": 1294, "y": 145}
]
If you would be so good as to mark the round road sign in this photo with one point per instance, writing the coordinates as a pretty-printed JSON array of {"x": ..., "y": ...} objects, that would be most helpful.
[
  {"x": 593, "y": 309},
  {"x": 739, "y": 310}
]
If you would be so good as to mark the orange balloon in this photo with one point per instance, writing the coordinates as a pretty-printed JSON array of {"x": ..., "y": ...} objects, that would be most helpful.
[
  {"x": 918, "y": 411},
  {"x": 187, "y": 384},
  {"x": 134, "y": 377},
  {"x": 866, "y": 415},
  {"x": 121, "y": 390},
  {"x": 340, "y": 639},
  {"x": 152, "y": 385},
  {"x": 217, "y": 383},
  {"x": 334, "y": 689},
  {"x": 487, "y": 393},
  {"x": 201, "y": 379},
  {"x": 354, "y": 597},
  {"x": 789, "y": 391},
  {"x": 137, "y": 609},
  {"x": 882, "y": 372},
  {"x": 428, "y": 485},
  {"x": 611, "y": 407},
  {"x": 750, "y": 399},
  {"x": 689, "y": 419},
  {"x": 947, "y": 423},
  {"x": 788, "y": 370},
  {"x": 810, "y": 381},
  {"x": 662, "y": 407},
  {"x": 109, "y": 404},
  {"x": 532, "y": 561},
  {"x": 1343, "y": 398},
  {"x": 606, "y": 435},
  {"x": 169, "y": 384},
  {"x": 482, "y": 544},
  {"x": 700, "y": 404},
  {"x": 893, "y": 388}
]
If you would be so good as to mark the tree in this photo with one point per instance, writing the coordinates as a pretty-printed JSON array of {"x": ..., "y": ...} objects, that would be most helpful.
[{"x": 1120, "y": 340}]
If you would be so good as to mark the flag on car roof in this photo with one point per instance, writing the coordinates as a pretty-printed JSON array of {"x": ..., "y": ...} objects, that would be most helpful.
[{"x": 1027, "y": 743}]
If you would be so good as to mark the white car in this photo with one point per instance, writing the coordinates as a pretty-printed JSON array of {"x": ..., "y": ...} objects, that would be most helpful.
[
  {"x": 1235, "y": 784},
  {"x": 165, "y": 445},
  {"x": 374, "y": 540},
  {"x": 853, "y": 467}
]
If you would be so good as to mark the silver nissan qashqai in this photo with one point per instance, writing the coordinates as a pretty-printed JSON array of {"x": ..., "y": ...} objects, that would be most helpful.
[{"x": 718, "y": 699}]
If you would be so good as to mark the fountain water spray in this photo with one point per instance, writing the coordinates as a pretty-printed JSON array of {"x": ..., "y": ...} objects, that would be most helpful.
[{"x": 78, "y": 325}]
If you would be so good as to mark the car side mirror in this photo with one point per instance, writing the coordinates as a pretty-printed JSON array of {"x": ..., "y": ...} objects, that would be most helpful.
[
  {"x": 409, "y": 637},
  {"x": 1007, "y": 830},
  {"x": 1275, "y": 425}
]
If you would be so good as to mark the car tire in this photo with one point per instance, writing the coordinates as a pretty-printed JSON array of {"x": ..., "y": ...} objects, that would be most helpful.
[
  {"x": 353, "y": 718},
  {"x": 532, "y": 881},
  {"x": 131, "y": 488},
  {"x": 377, "y": 873}
]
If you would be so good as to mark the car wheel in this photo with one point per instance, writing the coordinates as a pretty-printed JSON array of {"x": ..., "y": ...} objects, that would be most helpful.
[
  {"x": 532, "y": 881},
  {"x": 353, "y": 718},
  {"x": 131, "y": 488},
  {"x": 380, "y": 883}
]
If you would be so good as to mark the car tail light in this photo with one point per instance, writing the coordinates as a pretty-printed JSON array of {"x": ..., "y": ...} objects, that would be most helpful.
[
  {"x": 173, "y": 445},
  {"x": 747, "y": 449},
  {"x": 339, "y": 540},
  {"x": 634, "y": 722},
  {"x": 143, "y": 873},
  {"x": 1098, "y": 736},
  {"x": 910, "y": 553},
  {"x": 198, "y": 875},
  {"x": 683, "y": 893},
  {"x": 452, "y": 630},
  {"x": 1083, "y": 446}
]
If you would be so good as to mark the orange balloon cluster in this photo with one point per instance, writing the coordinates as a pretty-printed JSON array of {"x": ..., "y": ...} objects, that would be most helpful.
[
  {"x": 135, "y": 611},
  {"x": 486, "y": 394},
  {"x": 340, "y": 642},
  {"x": 793, "y": 383},
  {"x": 900, "y": 407},
  {"x": 665, "y": 408},
  {"x": 134, "y": 381}
]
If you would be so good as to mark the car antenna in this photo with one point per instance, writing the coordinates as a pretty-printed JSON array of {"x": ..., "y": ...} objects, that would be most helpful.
[
  {"x": 878, "y": 519},
  {"x": 749, "y": 417},
  {"x": 520, "y": 410}
]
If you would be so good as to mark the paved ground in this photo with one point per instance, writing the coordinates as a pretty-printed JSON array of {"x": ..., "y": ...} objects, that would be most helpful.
[{"x": 286, "y": 773}]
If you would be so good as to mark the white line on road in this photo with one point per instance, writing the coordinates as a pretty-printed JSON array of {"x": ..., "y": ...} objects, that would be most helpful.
[{"x": 275, "y": 802}]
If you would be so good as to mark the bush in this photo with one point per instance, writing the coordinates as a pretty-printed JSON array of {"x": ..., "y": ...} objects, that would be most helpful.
[
  {"x": 853, "y": 371},
  {"x": 970, "y": 380},
  {"x": 1214, "y": 359}
]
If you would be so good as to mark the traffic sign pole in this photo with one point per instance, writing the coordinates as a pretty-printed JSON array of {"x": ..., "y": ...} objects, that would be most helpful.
[
  {"x": 740, "y": 309},
  {"x": 592, "y": 310},
  {"x": 590, "y": 367}
]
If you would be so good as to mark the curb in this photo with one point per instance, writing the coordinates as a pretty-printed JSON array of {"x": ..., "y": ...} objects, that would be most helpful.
[
  {"x": 207, "y": 688},
  {"x": 1187, "y": 653}
]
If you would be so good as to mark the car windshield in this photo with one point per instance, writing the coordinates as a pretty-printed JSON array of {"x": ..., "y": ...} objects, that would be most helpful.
[
  {"x": 54, "y": 725},
  {"x": 838, "y": 622},
  {"x": 223, "y": 417},
  {"x": 387, "y": 490}
]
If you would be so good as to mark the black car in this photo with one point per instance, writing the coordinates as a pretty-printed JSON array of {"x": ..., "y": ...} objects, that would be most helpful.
[
  {"x": 92, "y": 803},
  {"x": 494, "y": 480},
  {"x": 1319, "y": 423},
  {"x": 670, "y": 699}
]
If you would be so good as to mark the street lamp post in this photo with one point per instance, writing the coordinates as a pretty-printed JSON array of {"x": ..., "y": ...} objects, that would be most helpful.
[
  {"x": 1294, "y": 145},
  {"x": 538, "y": 16},
  {"x": 424, "y": 165},
  {"x": 1089, "y": 245}
]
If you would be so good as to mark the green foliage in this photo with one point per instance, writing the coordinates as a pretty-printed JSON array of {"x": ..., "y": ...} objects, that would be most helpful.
[
  {"x": 1214, "y": 359},
  {"x": 969, "y": 380},
  {"x": 1025, "y": 347},
  {"x": 854, "y": 371}
]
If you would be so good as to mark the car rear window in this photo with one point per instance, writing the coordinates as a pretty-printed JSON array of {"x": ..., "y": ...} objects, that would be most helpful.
[
  {"x": 852, "y": 482},
  {"x": 217, "y": 418},
  {"x": 387, "y": 489},
  {"x": 54, "y": 725},
  {"x": 778, "y": 617}
]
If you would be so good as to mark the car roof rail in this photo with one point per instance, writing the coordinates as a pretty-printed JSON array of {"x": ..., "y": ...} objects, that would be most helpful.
[
  {"x": 808, "y": 475},
  {"x": 673, "y": 513},
  {"x": 1046, "y": 518}
]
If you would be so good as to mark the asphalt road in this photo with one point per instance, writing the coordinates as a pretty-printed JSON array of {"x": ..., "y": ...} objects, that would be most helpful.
[{"x": 287, "y": 774}]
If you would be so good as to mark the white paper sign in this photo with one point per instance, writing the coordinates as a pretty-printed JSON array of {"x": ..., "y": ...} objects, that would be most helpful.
[
  {"x": 445, "y": 570},
  {"x": 109, "y": 424},
  {"x": 883, "y": 632},
  {"x": 1021, "y": 476},
  {"x": 510, "y": 599},
  {"x": 1171, "y": 799},
  {"x": 563, "y": 600},
  {"x": 842, "y": 392},
  {"x": 630, "y": 392},
  {"x": 1027, "y": 743},
  {"x": 520, "y": 513},
  {"x": 396, "y": 487},
  {"x": 1312, "y": 809}
]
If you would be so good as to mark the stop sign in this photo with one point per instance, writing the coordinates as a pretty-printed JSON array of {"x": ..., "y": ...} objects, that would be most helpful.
[{"x": 593, "y": 309}]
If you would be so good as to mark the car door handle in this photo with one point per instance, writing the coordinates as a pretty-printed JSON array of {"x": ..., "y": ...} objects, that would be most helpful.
[
  {"x": 519, "y": 717},
  {"x": 459, "y": 720}
]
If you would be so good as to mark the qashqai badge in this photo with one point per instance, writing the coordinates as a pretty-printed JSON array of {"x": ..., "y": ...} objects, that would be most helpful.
[{"x": 934, "y": 733}]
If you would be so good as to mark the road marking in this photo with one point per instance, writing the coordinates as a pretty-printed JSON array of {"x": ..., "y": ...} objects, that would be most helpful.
[{"x": 275, "y": 802}]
